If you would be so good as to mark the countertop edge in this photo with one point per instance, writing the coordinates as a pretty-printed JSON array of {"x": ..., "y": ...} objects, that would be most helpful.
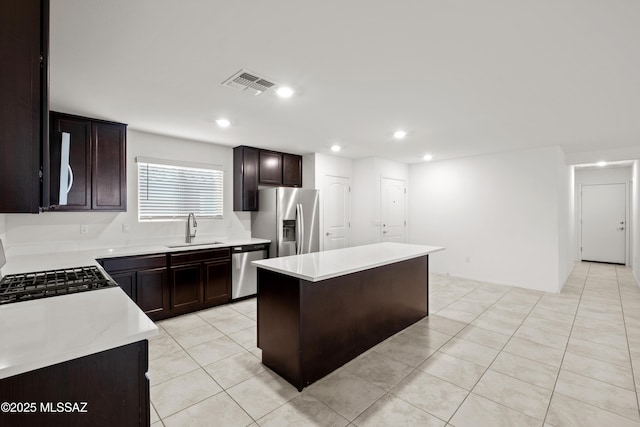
[{"x": 343, "y": 272}]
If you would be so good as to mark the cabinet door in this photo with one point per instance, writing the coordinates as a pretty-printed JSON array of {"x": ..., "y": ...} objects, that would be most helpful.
[
  {"x": 127, "y": 281},
  {"x": 186, "y": 287},
  {"x": 79, "y": 194},
  {"x": 291, "y": 170},
  {"x": 153, "y": 292},
  {"x": 245, "y": 179},
  {"x": 23, "y": 95},
  {"x": 270, "y": 168},
  {"x": 109, "y": 184},
  {"x": 217, "y": 284}
]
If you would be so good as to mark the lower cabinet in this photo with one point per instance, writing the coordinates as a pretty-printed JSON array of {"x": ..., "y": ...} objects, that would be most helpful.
[
  {"x": 217, "y": 282},
  {"x": 200, "y": 279},
  {"x": 144, "y": 279},
  {"x": 186, "y": 287},
  {"x": 108, "y": 388},
  {"x": 166, "y": 285}
]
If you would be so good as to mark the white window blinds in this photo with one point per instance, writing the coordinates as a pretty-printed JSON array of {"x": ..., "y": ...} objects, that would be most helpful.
[{"x": 168, "y": 191}]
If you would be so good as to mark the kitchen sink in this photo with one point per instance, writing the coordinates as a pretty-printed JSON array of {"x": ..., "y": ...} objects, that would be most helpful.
[{"x": 185, "y": 245}]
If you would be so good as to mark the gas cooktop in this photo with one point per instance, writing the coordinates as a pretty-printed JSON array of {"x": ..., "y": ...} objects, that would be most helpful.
[{"x": 44, "y": 284}]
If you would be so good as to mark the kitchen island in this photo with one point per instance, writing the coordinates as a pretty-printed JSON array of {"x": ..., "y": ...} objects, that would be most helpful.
[{"x": 318, "y": 311}]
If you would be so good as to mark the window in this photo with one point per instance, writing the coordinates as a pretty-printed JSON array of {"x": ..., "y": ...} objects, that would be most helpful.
[{"x": 170, "y": 190}]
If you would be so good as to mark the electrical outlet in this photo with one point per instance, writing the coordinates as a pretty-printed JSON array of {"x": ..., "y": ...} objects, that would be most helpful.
[
  {"x": 126, "y": 228},
  {"x": 84, "y": 229}
]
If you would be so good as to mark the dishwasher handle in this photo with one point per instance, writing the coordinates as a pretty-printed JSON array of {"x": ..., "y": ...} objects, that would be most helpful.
[{"x": 250, "y": 248}]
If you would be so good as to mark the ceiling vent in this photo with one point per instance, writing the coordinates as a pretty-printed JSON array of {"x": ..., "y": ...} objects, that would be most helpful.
[{"x": 248, "y": 82}]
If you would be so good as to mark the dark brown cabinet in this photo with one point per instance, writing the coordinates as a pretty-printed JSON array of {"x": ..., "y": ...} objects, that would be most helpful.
[
  {"x": 152, "y": 294},
  {"x": 186, "y": 287},
  {"x": 97, "y": 163},
  {"x": 109, "y": 167},
  {"x": 166, "y": 285},
  {"x": 253, "y": 167},
  {"x": 24, "y": 105},
  {"x": 291, "y": 170},
  {"x": 145, "y": 280},
  {"x": 110, "y": 387},
  {"x": 217, "y": 286},
  {"x": 200, "y": 279},
  {"x": 270, "y": 168},
  {"x": 245, "y": 179}
]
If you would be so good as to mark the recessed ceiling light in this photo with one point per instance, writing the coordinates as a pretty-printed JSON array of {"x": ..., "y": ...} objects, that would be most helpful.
[
  {"x": 335, "y": 148},
  {"x": 427, "y": 157},
  {"x": 399, "y": 134},
  {"x": 602, "y": 163},
  {"x": 223, "y": 123},
  {"x": 284, "y": 92}
]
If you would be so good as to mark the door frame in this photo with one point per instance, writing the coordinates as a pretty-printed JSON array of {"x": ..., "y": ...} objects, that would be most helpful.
[{"x": 627, "y": 214}]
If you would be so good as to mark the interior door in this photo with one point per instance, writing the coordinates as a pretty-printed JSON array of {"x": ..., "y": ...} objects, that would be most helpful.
[
  {"x": 336, "y": 211},
  {"x": 393, "y": 210},
  {"x": 604, "y": 223}
]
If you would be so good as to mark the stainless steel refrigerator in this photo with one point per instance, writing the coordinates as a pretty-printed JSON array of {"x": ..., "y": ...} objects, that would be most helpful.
[{"x": 289, "y": 218}]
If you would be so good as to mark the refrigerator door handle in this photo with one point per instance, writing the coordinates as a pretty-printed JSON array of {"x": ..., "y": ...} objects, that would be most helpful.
[
  {"x": 299, "y": 224},
  {"x": 301, "y": 229}
]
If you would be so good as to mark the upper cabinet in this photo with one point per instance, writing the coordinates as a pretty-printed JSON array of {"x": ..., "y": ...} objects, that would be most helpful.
[
  {"x": 95, "y": 175},
  {"x": 245, "y": 179},
  {"x": 291, "y": 170},
  {"x": 270, "y": 168},
  {"x": 253, "y": 167},
  {"x": 24, "y": 31}
]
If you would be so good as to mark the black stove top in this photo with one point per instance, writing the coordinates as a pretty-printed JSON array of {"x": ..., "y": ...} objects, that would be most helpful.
[{"x": 43, "y": 284}]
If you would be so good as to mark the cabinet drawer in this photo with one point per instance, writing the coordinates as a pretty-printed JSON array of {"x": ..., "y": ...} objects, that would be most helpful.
[
  {"x": 134, "y": 263},
  {"x": 198, "y": 256}
]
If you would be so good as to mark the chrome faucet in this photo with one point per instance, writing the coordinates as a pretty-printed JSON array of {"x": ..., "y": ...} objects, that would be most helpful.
[{"x": 191, "y": 236}]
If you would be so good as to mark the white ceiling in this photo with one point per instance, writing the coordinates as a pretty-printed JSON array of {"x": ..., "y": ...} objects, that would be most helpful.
[{"x": 462, "y": 77}]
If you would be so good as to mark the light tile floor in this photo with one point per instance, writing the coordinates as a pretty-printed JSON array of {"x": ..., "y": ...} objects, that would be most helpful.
[{"x": 488, "y": 355}]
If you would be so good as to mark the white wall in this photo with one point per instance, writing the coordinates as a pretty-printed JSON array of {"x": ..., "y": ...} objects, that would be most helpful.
[
  {"x": 635, "y": 215},
  {"x": 585, "y": 176},
  {"x": 309, "y": 171},
  {"x": 367, "y": 196},
  {"x": 497, "y": 215},
  {"x": 566, "y": 220},
  {"x": 61, "y": 230},
  {"x": 332, "y": 165}
]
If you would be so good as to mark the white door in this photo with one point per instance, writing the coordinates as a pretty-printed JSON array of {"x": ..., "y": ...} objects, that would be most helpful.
[
  {"x": 337, "y": 212},
  {"x": 604, "y": 223},
  {"x": 393, "y": 216}
]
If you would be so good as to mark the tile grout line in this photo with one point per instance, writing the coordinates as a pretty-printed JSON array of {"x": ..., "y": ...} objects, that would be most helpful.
[
  {"x": 494, "y": 359},
  {"x": 202, "y": 367},
  {"x": 626, "y": 334},
  {"x": 388, "y": 392},
  {"x": 555, "y": 384}
]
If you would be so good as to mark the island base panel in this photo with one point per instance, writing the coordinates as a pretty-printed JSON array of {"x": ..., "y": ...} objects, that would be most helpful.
[
  {"x": 112, "y": 383},
  {"x": 279, "y": 315},
  {"x": 306, "y": 329}
]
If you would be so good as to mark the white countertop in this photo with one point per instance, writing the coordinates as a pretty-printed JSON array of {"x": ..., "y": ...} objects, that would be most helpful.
[
  {"x": 328, "y": 264},
  {"x": 43, "y": 332}
]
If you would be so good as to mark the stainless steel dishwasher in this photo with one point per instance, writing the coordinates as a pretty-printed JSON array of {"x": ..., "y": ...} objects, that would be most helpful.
[{"x": 244, "y": 276}]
